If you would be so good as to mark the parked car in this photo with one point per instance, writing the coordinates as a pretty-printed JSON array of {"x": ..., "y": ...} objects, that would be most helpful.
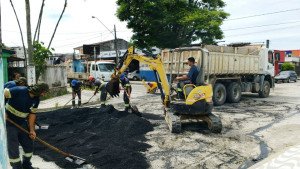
[
  {"x": 286, "y": 76},
  {"x": 135, "y": 75}
]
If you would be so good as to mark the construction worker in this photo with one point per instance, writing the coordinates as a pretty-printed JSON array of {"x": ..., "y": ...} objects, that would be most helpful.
[
  {"x": 21, "y": 81},
  {"x": 18, "y": 109},
  {"x": 100, "y": 86},
  {"x": 76, "y": 90},
  {"x": 190, "y": 78},
  {"x": 127, "y": 91}
]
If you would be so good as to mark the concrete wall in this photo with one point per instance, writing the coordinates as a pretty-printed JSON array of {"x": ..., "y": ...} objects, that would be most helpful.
[
  {"x": 56, "y": 78},
  {"x": 3, "y": 147}
]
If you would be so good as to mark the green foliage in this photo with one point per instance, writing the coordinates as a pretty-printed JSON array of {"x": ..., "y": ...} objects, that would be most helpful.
[
  {"x": 172, "y": 23},
  {"x": 287, "y": 66},
  {"x": 40, "y": 54},
  {"x": 52, "y": 95}
]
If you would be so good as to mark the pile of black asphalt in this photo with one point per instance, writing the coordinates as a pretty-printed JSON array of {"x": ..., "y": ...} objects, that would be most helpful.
[{"x": 106, "y": 138}]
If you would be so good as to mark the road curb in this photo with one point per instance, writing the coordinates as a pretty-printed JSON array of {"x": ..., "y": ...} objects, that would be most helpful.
[{"x": 66, "y": 107}]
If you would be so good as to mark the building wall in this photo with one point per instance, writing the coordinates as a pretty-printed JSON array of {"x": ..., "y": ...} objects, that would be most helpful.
[
  {"x": 3, "y": 147},
  {"x": 55, "y": 77},
  {"x": 296, "y": 53}
]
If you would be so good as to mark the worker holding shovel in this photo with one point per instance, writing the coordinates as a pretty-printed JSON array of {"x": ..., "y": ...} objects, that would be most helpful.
[
  {"x": 100, "y": 86},
  {"x": 127, "y": 91},
  {"x": 76, "y": 90},
  {"x": 20, "y": 100}
]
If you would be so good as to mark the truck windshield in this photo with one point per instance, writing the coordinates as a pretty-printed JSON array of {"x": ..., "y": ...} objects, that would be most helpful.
[{"x": 106, "y": 67}]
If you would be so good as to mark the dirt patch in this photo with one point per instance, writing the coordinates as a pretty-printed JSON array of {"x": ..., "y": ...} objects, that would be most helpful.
[{"x": 107, "y": 138}]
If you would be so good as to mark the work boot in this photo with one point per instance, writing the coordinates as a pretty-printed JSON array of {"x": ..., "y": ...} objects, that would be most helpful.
[
  {"x": 126, "y": 109},
  {"x": 102, "y": 106}
]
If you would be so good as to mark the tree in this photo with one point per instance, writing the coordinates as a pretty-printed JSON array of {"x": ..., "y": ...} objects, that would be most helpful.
[
  {"x": 287, "y": 66},
  {"x": 40, "y": 55},
  {"x": 172, "y": 23}
]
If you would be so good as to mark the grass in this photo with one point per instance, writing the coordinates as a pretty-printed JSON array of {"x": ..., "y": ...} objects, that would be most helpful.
[{"x": 52, "y": 95}]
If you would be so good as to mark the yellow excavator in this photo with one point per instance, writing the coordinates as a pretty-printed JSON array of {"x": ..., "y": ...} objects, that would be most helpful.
[{"x": 197, "y": 104}]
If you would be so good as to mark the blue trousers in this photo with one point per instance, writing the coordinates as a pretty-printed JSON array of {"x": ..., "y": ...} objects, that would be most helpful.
[
  {"x": 103, "y": 94},
  {"x": 15, "y": 137}
]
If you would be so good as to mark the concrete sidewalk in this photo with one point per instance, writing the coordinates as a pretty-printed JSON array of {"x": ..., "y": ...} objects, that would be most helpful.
[{"x": 60, "y": 101}]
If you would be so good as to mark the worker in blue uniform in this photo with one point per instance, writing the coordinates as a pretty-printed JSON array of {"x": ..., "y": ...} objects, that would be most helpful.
[
  {"x": 18, "y": 109},
  {"x": 76, "y": 90},
  {"x": 102, "y": 87},
  {"x": 127, "y": 91},
  {"x": 190, "y": 78},
  {"x": 21, "y": 81}
]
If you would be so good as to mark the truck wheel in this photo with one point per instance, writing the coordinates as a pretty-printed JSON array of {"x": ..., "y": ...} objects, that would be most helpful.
[
  {"x": 265, "y": 91},
  {"x": 135, "y": 78},
  {"x": 234, "y": 92},
  {"x": 219, "y": 94}
]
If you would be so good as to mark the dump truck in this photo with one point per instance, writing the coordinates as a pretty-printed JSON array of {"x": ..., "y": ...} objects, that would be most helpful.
[{"x": 230, "y": 69}]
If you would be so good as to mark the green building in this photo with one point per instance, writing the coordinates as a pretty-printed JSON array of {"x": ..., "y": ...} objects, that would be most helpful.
[{"x": 6, "y": 53}]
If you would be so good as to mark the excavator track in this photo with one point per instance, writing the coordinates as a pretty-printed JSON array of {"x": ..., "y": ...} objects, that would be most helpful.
[
  {"x": 214, "y": 123},
  {"x": 173, "y": 121}
]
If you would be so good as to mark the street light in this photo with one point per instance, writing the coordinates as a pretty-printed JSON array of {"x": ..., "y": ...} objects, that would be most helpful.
[{"x": 114, "y": 34}]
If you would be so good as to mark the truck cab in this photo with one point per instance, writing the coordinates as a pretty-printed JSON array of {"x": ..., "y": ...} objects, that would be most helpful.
[{"x": 102, "y": 70}]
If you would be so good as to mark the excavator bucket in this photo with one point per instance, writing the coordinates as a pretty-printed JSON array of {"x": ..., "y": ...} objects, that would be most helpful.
[{"x": 112, "y": 87}]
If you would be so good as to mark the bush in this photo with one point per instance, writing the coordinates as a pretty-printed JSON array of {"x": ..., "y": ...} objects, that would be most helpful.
[{"x": 287, "y": 66}]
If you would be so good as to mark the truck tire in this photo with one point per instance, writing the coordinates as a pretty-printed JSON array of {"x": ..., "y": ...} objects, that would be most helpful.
[
  {"x": 234, "y": 92},
  {"x": 135, "y": 78},
  {"x": 265, "y": 91},
  {"x": 219, "y": 94}
]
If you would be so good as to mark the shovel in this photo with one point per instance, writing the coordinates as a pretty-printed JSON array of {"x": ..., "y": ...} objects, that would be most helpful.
[
  {"x": 88, "y": 100},
  {"x": 42, "y": 126},
  {"x": 69, "y": 157},
  {"x": 134, "y": 109},
  {"x": 67, "y": 102}
]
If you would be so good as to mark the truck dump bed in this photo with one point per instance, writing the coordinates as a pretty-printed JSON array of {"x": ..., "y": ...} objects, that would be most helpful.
[{"x": 224, "y": 60}]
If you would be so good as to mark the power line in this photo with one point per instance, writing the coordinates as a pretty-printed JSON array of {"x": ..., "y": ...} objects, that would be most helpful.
[
  {"x": 261, "y": 25},
  {"x": 244, "y": 17},
  {"x": 269, "y": 30},
  {"x": 77, "y": 42}
]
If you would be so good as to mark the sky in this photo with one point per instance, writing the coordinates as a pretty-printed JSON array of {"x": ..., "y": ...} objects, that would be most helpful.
[{"x": 77, "y": 26}]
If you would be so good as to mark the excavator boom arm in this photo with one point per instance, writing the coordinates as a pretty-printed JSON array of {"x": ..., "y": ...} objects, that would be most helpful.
[{"x": 155, "y": 63}]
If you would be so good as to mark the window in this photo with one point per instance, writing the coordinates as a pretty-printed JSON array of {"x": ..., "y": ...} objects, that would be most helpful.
[
  {"x": 270, "y": 57},
  {"x": 277, "y": 56},
  {"x": 95, "y": 67},
  {"x": 106, "y": 67}
]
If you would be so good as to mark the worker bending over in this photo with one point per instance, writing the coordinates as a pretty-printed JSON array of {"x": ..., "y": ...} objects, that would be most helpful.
[
  {"x": 127, "y": 91},
  {"x": 102, "y": 87},
  {"x": 20, "y": 100},
  {"x": 76, "y": 90},
  {"x": 190, "y": 78}
]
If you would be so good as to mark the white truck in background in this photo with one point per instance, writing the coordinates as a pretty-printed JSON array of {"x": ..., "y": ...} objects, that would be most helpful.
[
  {"x": 231, "y": 70},
  {"x": 99, "y": 69}
]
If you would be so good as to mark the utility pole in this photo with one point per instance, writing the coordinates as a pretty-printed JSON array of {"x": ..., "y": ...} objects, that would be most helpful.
[
  {"x": 30, "y": 68},
  {"x": 116, "y": 45},
  {"x": 95, "y": 56}
]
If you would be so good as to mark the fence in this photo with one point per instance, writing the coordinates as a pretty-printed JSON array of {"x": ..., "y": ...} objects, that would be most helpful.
[{"x": 56, "y": 78}]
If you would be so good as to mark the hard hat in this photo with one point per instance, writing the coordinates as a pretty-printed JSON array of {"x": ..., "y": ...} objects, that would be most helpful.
[
  {"x": 122, "y": 76},
  {"x": 91, "y": 78},
  {"x": 21, "y": 80},
  {"x": 74, "y": 81},
  {"x": 38, "y": 88}
]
